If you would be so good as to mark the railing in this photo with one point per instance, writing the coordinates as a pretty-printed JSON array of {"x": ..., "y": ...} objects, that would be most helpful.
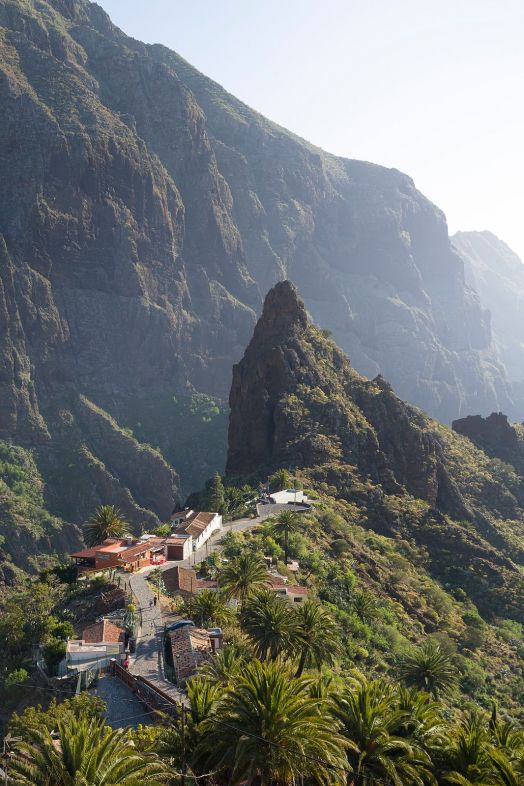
[{"x": 147, "y": 692}]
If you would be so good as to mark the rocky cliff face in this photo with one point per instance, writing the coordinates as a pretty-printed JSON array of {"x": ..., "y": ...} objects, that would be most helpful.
[
  {"x": 296, "y": 402},
  {"x": 497, "y": 274},
  {"x": 143, "y": 213},
  {"x": 496, "y": 436}
]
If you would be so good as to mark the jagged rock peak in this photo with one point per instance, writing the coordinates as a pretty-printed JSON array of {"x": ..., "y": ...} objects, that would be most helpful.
[
  {"x": 493, "y": 434},
  {"x": 284, "y": 313}
]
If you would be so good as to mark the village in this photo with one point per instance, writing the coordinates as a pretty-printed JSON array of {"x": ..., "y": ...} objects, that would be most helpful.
[{"x": 151, "y": 638}]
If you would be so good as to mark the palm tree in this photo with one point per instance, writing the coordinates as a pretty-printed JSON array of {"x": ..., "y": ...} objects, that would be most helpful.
[
  {"x": 268, "y": 728},
  {"x": 286, "y": 524},
  {"x": 225, "y": 667},
  {"x": 270, "y": 624},
  {"x": 428, "y": 668},
  {"x": 466, "y": 758},
  {"x": 106, "y": 522},
  {"x": 369, "y": 718},
  {"x": 508, "y": 772},
  {"x": 317, "y": 635},
  {"x": 85, "y": 753},
  {"x": 208, "y": 608},
  {"x": 242, "y": 576},
  {"x": 422, "y": 720}
]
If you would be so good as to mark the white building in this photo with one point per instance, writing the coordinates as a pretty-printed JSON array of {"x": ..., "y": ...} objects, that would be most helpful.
[
  {"x": 99, "y": 644},
  {"x": 288, "y": 496},
  {"x": 200, "y": 526}
]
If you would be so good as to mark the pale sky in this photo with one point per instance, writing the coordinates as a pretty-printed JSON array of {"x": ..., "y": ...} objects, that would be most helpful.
[{"x": 435, "y": 89}]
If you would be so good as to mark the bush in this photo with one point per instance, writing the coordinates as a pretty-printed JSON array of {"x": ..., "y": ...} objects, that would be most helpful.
[
  {"x": 280, "y": 480},
  {"x": 14, "y": 679}
]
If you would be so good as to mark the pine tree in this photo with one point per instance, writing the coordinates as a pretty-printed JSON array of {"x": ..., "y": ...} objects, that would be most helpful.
[{"x": 216, "y": 497}]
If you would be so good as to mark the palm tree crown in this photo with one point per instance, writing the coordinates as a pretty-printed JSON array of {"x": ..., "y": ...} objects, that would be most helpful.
[
  {"x": 106, "y": 522},
  {"x": 428, "y": 668},
  {"x": 208, "y": 608},
  {"x": 242, "y": 576},
  {"x": 85, "y": 754},
  {"x": 270, "y": 623},
  {"x": 269, "y": 728},
  {"x": 286, "y": 523},
  {"x": 369, "y": 717},
  {"x": 317, "y": 635}
]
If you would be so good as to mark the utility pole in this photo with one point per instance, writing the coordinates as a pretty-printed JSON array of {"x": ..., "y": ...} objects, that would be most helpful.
[{"x": 183, "y": 741}]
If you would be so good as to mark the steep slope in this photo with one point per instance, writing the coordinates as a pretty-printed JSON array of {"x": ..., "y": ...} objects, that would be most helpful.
[
  {"x": 29, "y": 535},
  {"x": 497, "y": 273},
  {"x": 296, "y": 402},
  {"x": 143, "y": 211},
  {"x": 370, "y": 254}
]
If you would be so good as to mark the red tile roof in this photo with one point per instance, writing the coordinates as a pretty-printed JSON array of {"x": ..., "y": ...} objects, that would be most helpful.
[
  {"x": 190, "y": 647},
  {"x": 196, "y": 523},
  {"x": 105, "y": 631},
  {"x": 296, "y": 590},
  {"x": 178, "y": 579},
  {"x": 135, "y": 552}
]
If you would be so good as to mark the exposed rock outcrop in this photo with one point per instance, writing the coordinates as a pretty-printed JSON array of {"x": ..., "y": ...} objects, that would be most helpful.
[
  {"x": 296, "y": 402},
  {"x": 497, "y": 273},
  {"x": 143, "y": 212}
]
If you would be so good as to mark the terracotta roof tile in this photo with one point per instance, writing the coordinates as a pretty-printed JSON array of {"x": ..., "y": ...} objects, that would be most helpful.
[
  {"x": 178, "y": 579},
  {"x": 190, "y": 647},
  {"x": 103, "y": 631},
  {"x": 134, "y": 552}
]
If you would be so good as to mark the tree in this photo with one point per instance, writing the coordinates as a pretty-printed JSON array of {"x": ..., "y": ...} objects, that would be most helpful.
[
  {"x": 286, "y": 523},
  {"x": 106, "y": 522},
  {"x": 225, "y": 667},
  {"x": 317, "y": 635},
  {"x": 208, "y": 608},
  {"x": 369, "y": 718},
  {"x": 270, "y": 624},
  {"x": 215, "y": 497},
  {"x": 267, "y": 728},
  {"x": 242, "y": 576},
  {"x": 87, "y": 753},
  {"x": 466, "y": 757},
  {"x": 280, "y": 480},
  {"x": 428, "y": 668}
]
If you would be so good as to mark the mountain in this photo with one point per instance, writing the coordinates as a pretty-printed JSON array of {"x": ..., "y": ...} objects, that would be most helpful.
[
  {"x": 497, "y": 274},
  {"x": 297, "y": 403},
  {"x": 144, "y": 212}
]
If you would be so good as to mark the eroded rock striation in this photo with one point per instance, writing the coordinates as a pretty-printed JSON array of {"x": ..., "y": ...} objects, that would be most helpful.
[{"x": 144, "y": 212}]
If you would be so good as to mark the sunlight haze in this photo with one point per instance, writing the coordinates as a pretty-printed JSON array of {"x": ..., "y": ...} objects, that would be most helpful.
[{"x": 433, "y": 89}]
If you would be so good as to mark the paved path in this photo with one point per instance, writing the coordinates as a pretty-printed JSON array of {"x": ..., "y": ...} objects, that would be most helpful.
[
  {"x": 123, "y": 707},
  {"x": 147, "y": 661}
]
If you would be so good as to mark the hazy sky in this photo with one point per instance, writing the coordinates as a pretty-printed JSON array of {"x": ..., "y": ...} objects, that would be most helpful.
[{"x": 432, "y": 87}]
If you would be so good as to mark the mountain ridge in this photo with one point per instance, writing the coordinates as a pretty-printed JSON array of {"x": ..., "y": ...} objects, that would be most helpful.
[
  {"x": 297, "y": 404},
  {"x": 143, "y": 214}
]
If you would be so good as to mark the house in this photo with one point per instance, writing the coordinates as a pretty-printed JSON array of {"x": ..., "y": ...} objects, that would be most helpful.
[
  {"x": 199, "y": 525},
  {"x": 190, "y": 647},
  {"x": 178, "y": 547},
  {"x": 128, "y": 553},
  {"x": 135, "y": 557},
  {"x": 293, "y": 593},
  {"x": 101, "y": 557},
  {"x": 178, "y": 517},
  {"x": 184, "y": 581},
  {"x": 99, "y": 644},
  {"x": 289, "y": 497}
]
